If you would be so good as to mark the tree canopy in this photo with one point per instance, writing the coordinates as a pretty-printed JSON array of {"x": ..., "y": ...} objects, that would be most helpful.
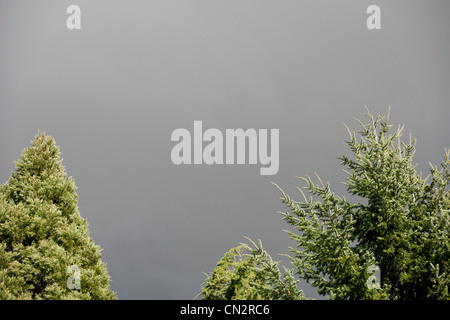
[
  {"x": 399, "y": 227},
  {"x": 249, "y": 273},
  {"x": 45, "y": 248}
]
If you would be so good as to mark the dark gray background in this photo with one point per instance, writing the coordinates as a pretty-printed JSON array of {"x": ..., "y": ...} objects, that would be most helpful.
[{"x": 112, "y": 93}]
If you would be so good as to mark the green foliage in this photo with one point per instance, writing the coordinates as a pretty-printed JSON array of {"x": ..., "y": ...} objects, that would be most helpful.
[
  {"x": 401, "y": 224},
  {"x": 42, "y": 232},
  {"x": 249, "y": 273}
]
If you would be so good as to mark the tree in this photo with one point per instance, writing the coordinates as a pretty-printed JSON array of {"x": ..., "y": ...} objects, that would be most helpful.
[
  {"x": 391, "y": 244},
  {"x": 249, "y": 273},
  {"x": 401, "y": 224},
  {"x": 45, "y": 248}
]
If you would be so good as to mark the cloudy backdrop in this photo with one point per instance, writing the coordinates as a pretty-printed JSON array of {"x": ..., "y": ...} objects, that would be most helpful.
[{"x": 112, "y": 93}]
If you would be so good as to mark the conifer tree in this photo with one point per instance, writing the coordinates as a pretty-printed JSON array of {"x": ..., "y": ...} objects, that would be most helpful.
[
  {"x": 45, "y": 248},
  {"x": 249, "y": 273},
  {"x": 400, "y": 225},
  {"x": 398, "y": 228}
]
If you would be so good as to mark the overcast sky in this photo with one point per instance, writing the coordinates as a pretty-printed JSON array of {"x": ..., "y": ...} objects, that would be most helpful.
[{"x": 112, "y": 93}]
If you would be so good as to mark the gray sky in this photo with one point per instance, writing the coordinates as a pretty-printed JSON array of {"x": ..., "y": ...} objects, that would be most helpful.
[{"x": 112, "y": 93}]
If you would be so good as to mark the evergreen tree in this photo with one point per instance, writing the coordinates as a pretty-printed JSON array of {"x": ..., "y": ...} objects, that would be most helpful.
[
  {"x": 401, "y": 225},
  {"x": 399, "y": 228},
  {"x": 249, "y": 273},
  {"x": 45, "y": 248}
]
